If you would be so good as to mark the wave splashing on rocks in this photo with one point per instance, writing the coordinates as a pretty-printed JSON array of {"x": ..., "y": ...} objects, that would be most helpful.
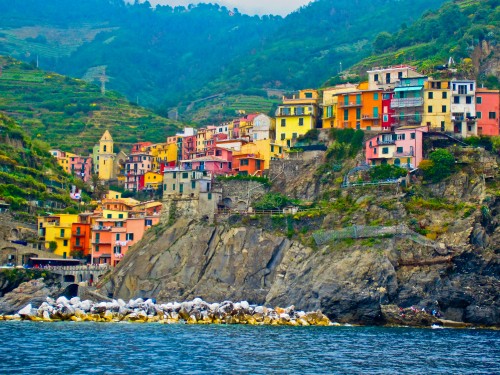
[{"x": 196, "y": 311}]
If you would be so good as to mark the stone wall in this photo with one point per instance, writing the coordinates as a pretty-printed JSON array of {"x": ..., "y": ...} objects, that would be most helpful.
[{"x": 239, "y": 195}]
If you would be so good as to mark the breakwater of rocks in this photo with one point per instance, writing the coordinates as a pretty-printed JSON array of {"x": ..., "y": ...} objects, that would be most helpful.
[{"x": 196, "y": 311}]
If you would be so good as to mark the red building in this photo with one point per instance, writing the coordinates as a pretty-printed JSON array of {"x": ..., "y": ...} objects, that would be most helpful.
[
  {"x": 80, "y": 237},
  {"x": 487, "y": 111},
  {"x": 248, "y": 164},
  {"x": 387, "y": 112}
]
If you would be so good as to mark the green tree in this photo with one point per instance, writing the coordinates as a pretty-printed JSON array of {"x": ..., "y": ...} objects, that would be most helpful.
[
  {"x": 272, "y": 201},
  {"x": 440, "y": 165}
]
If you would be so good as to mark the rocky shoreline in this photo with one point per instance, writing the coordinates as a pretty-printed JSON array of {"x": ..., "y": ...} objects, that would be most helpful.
[{"x": 196, "y": 311}]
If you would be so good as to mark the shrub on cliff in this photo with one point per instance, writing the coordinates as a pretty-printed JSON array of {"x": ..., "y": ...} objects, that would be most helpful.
[
  {"x": 440, "y": 165},
  {"x": 387, "y": 172}
]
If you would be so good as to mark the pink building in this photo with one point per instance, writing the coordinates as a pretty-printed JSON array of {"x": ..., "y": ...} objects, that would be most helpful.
[
  {"x": 213, "y": 164},
  {"x": 188, "y": 146},
  {"x": 136, "y": 166},
  {"x": 112, "y": 238},
  {"x": 487, "y": 111},
  {"x": 81, "y": 166},
  {"x": 403, "y": 147}
]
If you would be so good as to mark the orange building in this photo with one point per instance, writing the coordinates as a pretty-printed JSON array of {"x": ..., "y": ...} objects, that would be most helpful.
[
  {"x": 80, "y": 237},
  {"x": 248, "y": 164},
  {"x": 360, "y": 109}
]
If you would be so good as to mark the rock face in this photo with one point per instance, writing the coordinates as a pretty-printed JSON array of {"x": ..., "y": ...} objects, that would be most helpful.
[
  {"x": 32, "y": 292},
  {"x": 349, "y": 284}
]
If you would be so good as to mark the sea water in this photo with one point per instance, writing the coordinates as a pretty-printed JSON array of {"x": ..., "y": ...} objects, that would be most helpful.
[{"x": 120, "y": 348}]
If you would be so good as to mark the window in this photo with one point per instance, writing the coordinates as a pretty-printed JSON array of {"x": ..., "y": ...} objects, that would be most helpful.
[
  {"x": 479, "y": 114},
  {"x": 468, "y": 99},
  {"x": 400, "y": 75},
  {"x": 109, "y": 216},
  {"x": 375, "y": 151},
  {"x": 148, "y": 222},
  {"x": 492, "y": 115},
  {"x": 78, "y": 230},
  {"x": 120, "y": 216},
  {"x": 65, "y": 243},
  {"x": 479, "y": 100},
  {"x": 399, "y": 150},
  {"x": 209, "y": 196},
  {"x": 375, "y": 96},
  {"x": 346, "y": 114},
  {"x": 358, "y": 113},
  {"x": 412, "y": 135},
  {"x": 77, "y": 241},
  {"x": 443, "y": 127},
  {"x": 445, "y": 95},
  {"x": 119, "y": 224},
  {"x": 62, "y": 233},
  {"x": 283, "y": 135},
  {"x": 244, "y": 162},
  {"x": 299, "y": 111},
  {"x": 375, "y": 77},
  {"x": 185, "y": 175},
  {"x": 193, "y": 184},
  {"x": 173, "y": 187},
  {"x": 430, "y": 95},
  {"x": 386, "y": 96},
  {"x": 385, "y": 150},
  {"x": 294, "y": 135},
  {"x": 283, "y": 122},
  {"x": 129, "y": 236},
  {"x": 309, "y": 95},
  {"x": 443, "y": 109},
  {"x": 462, "y": 89},
  {"x": 104, "y": 148},
  {"x": 429, "y": 108},
  {"x": 272, "y": 148},
  {"x": 117, "y": 249},
  {"x": 96, "y": 248},
  {"x": 385, "y": 118},
  {"x": 181, "y": 188},
  {"x": 387, "y": 77},
  {"x": 117, "y": 237},
  {"x": 456, "y": 100},
  {"x": 301, "y": 121}
]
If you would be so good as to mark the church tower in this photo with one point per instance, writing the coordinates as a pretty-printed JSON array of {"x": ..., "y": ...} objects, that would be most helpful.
[{"x": 106, "y": 157}]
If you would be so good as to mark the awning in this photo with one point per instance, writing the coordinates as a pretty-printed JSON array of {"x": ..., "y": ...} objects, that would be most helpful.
[{"x": 409, "y": 88}]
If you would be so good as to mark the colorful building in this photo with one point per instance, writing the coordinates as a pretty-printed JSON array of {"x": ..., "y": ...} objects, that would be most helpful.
[
  {"x": 263, "y": 128},
  {"x": 330, "y": 104},
  {"x": 437, "y": 105},
  {"x": 55, "y": 232},
  {"x": 153, "y": 180},
  {"x": 408, "y": 102},
  {"x": 403, "y": 147},
  {"x": 463, "y": 107},
  {"x": 213, "y": 164},
  {"x": 106, "y": 157},
  {"x": 386, "y": 79},
  {"x": 296, "y": 116},
  {"x": 247, "y": 164},
  {"x": 81, "y": 235},
  {"x": 388, "y": 118},
  {"x": 487, "y": 112},
  {"x": 138, "y": 163}
]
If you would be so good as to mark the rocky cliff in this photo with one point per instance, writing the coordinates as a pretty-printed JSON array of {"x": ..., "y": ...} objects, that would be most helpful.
[{"x": 452, "y": 266}]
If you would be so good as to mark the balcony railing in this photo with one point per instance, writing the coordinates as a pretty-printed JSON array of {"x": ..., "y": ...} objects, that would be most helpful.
[
  {"x": 370, "y": 117},
  {"x": 404, "y": 153},
  {"x": 406, "y": 102},
  {"x": 350, "y": 104},
  {"x": 78, "y": 234},
  {"x": 386, "y": 142}
]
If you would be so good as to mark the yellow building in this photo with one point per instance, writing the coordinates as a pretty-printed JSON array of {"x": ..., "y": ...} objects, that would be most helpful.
[
  {"x": 55, "y": 232},
  {"x": 296, "y": 116},
  {"x": 330, "y": 104},
  {"x": 163, "y": 153},
  {"x": 152, "y": 180},
  {"x": 113, "y": 195},
  {"x": 265, "y": 149},
  {"x": 437, "y": 105},
  {"x": 114, "y": 214},
  {"x": 106, "y": 157}
]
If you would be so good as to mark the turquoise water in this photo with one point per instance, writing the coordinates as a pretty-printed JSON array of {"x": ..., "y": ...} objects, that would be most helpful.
[{"x": 93, "y": 348}]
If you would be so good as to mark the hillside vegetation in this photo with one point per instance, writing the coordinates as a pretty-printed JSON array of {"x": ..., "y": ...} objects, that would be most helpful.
[
  {"x": 461, "y": 29},
  {"x": 71, "y": 114},
  {"x": 169, "y": 57},
  {"x": 31, "y": 181}
]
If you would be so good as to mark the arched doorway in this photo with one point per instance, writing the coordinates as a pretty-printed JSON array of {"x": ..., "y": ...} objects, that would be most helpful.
[
  {"x": 69, "y": 278},
  {"x": 397, "y": 162},
  {"x": 228, "y": 203},
  {"x": 71, "y": 291}
]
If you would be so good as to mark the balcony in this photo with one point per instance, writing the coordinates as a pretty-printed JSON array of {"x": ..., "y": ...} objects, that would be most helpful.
[
  {"x": 101, "y": 242},
  {"x": 350, "y": 104},
  {"x": 99, "y": 228},
  {"x": 386, "y": 142},
  {"x": 407, "y": 102},
  {"x": 404, "y": 154},
  {"x": 370, "y": 117},
  {"x": 78, "y": 234}
]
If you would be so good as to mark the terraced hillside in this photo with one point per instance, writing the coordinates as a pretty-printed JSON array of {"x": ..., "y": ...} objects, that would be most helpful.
[{"x": 71, "y": 114}]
